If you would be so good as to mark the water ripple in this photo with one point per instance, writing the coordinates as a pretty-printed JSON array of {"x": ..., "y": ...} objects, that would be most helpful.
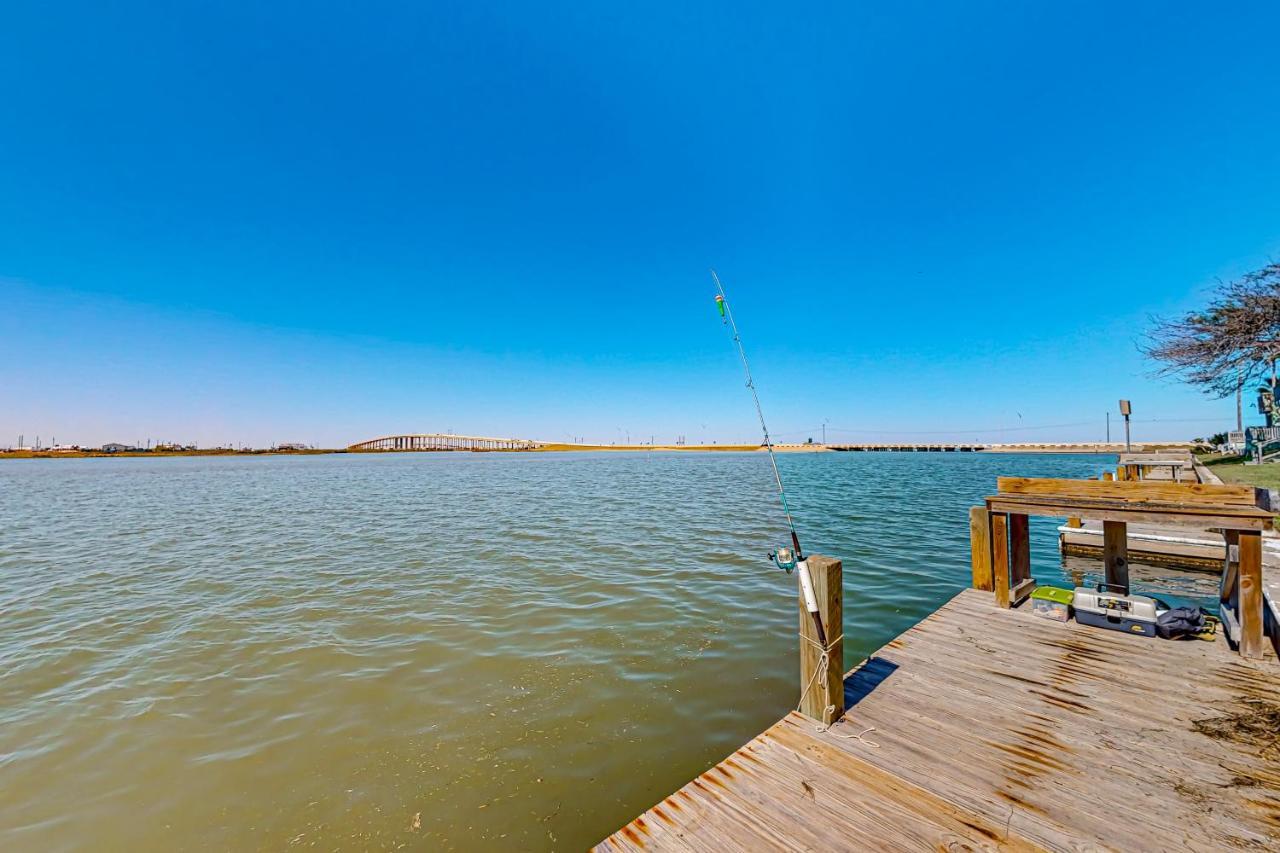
[{"x": 520, "y": 649}]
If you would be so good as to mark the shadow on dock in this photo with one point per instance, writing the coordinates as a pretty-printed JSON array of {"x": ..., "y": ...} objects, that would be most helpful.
[{"x": 859, "y": 683}]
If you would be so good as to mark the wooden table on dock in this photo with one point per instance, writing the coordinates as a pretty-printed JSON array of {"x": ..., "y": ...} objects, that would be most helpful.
[
  {"x": 992, "y": 728},
  {"x": 1136, "y": 466},
  {"x": 1002, "y": 547}
]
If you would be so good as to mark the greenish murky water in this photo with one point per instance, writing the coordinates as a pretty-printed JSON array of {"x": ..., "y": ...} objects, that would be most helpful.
[{"x": 432, "y": 651}]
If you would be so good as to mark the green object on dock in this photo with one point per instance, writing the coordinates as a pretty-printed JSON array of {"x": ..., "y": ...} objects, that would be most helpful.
[{"x": 1054, "y": 594}]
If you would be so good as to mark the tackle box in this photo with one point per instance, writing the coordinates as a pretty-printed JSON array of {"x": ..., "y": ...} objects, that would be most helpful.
[
  {"x": 1133, "y": 614},
  {"x": 1052, "y": 603}
]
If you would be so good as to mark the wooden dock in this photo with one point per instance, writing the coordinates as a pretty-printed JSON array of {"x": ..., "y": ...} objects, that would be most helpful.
[{"x": 990, "y": 728}]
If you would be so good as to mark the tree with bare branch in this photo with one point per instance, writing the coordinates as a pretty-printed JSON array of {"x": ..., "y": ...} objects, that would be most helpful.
[{"x": 1232, "y": 342}]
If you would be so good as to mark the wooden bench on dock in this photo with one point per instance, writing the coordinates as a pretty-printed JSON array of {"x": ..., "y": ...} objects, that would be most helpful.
[{"x": 1001, "y": 545}]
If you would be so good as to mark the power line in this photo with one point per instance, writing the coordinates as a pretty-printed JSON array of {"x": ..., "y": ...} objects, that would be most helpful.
[
  {"x": 962, "y": 431},
  {"x": 815, "y": 429}
]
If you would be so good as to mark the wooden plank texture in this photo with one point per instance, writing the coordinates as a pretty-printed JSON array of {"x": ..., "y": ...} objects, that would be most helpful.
[
  {"x": 1019, "y": 549},
  {"x": 1115, "y": 553},
  {"x": 1000, "y": 556},
  {"x": 989, "y": 729},
  {"x": 823, "y": 701},
  {"x": 1251, "y": 595},
  {"x": 1197, "y": 515},
  {"x": 1131, "y": 491},
  {"x": 980, "y": 548}
]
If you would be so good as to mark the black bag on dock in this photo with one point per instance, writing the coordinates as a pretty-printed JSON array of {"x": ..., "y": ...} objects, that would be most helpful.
[{"x": 1180, "y": 622}]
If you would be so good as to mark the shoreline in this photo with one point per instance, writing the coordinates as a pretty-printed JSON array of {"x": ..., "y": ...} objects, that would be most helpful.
[
  {"x": 143, "y": 454},
  {"x": 1073, "y": 448}
]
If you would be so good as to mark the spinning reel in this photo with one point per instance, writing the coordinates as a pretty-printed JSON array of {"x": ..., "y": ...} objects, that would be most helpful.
[{"x": 784, "y": 558}]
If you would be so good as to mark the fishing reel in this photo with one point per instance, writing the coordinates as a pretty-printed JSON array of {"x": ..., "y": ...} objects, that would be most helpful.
[{"x": 784, "y": 558}]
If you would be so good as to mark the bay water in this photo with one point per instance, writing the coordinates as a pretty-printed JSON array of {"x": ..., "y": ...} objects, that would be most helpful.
[{"x": 436, "y": 651}]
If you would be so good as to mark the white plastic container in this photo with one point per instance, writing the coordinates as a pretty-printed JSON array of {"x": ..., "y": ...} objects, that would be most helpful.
[
  {"x": 1051, "y": 610},
  {"x": 1132, "y": 614}
]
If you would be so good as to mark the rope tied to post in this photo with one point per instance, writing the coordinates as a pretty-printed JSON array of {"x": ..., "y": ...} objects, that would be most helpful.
[{"x": 821, "y": 671}]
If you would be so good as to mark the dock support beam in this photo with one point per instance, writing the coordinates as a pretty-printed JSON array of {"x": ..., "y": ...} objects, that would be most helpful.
[
  {"x": 1251, "y": 605},
  {"x": 1000, "y": 556},
  {"x": 980, "y": 548},
  {"x": 822, "y": 698},
  {"x": 1241, "y": 595},
  {"x": 1010, "y": 558},
  {"x": 1115, "y": 553},
  {"x": 1020, "y": 582}
]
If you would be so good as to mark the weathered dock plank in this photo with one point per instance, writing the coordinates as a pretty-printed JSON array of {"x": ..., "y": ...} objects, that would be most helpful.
[{"x": 994, "y": 729}]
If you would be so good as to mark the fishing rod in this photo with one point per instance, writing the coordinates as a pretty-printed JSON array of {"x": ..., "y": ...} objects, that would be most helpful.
[{"x": 785, "y": 558}]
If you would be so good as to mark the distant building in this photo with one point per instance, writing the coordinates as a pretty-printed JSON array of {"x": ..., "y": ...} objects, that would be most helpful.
[
  {"x": 116, "y": 447},
  {"x": 292, "y": 445}
]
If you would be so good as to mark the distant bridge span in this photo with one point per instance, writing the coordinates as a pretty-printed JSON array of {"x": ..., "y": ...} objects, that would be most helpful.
[{"x": 442, "y": 441}]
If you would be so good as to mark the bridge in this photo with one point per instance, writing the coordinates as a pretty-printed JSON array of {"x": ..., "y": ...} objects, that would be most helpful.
[{"x": 443, "y": 441}]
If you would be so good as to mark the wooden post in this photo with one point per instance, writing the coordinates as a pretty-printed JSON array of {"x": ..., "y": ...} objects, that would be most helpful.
[
  {"x": 823, "y": 702},
  {"x": 1108, "y": 476},
  {"x": 1020, "y": 582},
  {"x": 1074, "y": 521},
  {"x": 980, "y": 547},
  {"x": 1000, "y": 557},
  {"x": 1230, "y": 567},
  {"x": 1115, "y": 552},
  {"x": 1122, "y": 473},
  {"x": 1251, "y": 593},
  {"x": 1229, "y": 591}
]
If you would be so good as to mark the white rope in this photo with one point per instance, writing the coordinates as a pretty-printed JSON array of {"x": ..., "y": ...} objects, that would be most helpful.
[
  {"x": 859, "y": 737},
  {"x": 822, "y": 670}
]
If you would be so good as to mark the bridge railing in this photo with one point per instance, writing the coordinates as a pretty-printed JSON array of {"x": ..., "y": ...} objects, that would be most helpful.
[{"x": 442, "y": 441}]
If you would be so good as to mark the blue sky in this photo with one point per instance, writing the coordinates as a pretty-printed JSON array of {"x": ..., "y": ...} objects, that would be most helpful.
[{"x": 321, "y": 222}]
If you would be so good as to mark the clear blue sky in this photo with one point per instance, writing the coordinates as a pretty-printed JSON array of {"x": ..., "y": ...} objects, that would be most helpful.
[{"x": 322, "y": 222}]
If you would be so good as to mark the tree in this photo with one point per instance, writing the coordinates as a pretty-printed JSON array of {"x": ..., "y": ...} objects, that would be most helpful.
[{"x": 1232, "y": 342}]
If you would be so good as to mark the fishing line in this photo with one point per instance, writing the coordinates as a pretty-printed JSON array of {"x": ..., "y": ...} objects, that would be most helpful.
[{"x": 785, "y": 558}]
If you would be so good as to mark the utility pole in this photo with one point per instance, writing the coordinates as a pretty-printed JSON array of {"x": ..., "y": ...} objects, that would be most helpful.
[
  {"x": 1125, "y": 409},
  {"x": 1239, "y": 402},
  {"x": 1108, "y": 427}
]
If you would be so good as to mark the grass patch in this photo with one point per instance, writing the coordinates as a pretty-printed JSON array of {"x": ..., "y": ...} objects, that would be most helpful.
[{"x": 1233, "y": 470}]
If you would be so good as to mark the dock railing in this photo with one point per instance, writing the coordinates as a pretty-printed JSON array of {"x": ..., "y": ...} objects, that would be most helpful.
[{"x": 1000, "y": 540}]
